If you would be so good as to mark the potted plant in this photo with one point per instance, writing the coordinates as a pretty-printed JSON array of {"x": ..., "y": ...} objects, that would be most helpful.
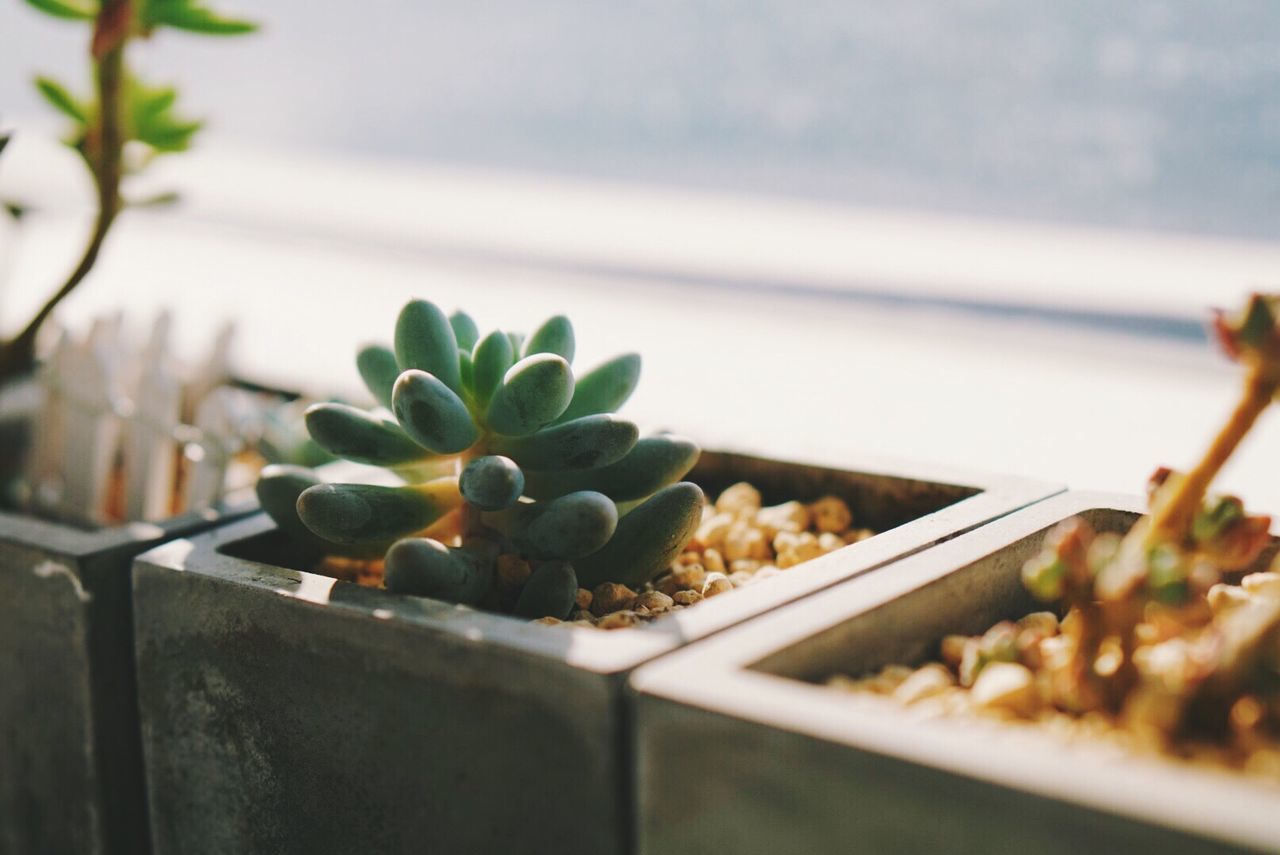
[
  {"x": 71, "y": 778},
  {"x": 450, "y": 716},
  {"x": 1071, "y": 677}
]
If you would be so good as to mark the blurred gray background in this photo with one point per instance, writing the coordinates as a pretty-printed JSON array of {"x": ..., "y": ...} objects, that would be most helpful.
[{"x": 1143, "y": 114}]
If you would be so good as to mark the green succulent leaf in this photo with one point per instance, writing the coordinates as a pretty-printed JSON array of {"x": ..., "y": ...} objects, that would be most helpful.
[
  {"x": 379, "y": 370},
  {"x": 647, "y": 540},
  {"x": 464, "y": 329},
  {"x": 554, "y": 336},
  {"x": 491, "y": 483},
  {"x": 361, "y": 436},
  {"x": 549, "y": 592},
  {"x": 533, "y": 393},
  {"x": 491, "y": 359},
  {"x": 425, "y": 340},
  {"x": 568, "y": 527},
  {"x": 73, "y": 10},
  {"x": 427, "y": 568},
  {"x": 652, "y": 463},
  {"x": 584, "y": 443},
  {"x": 605, "y": 388},
  {"x": 278, "y": 489},
  {"x": 62, "y": 100},
  {"x": 368, "y": 513},
  {"x": 467, "y": 370},
  {"x": 432, "y": 414},
  {"x": 192, "y": 16}
]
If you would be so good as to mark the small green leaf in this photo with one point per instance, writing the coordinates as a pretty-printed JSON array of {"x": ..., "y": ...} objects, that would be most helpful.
[
  {"x": 4, "y": 141},
  {"x": 189, "y": 15},
  {"x": 62, "y": 100},
  {"x": 74, "y": 10}
]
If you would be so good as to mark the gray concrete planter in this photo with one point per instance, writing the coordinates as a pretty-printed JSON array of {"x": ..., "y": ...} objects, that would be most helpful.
[
  {"x": 741, "y": 749},
  {"x": 70, "y": 754},
  {"x": 286, "y": 712}
]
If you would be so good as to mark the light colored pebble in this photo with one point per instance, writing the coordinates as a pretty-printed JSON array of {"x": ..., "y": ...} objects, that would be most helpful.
[
  {"x": 1223, "y": 597},
  {"x": 856, "y": 535},
  {"x": 611, "y": 596},
  {"x": 716, "y": 586},
  {"x": 743, "y": 541},
  {"x": 830, "y": 542},
  {"x": 686, "y": 598},
  {"x": 548, "y": 621},
  {"x": 803, "y": 548},
  {"x": 712, "y": 532},
  {"x": 618, "y": 620},
  {"x": 923, "y": 683},
  {"x": 685, "y": 579},
  {"x": 582, "y": 599},
  {"x": 740, "y": 498},
  {"x": 745, "y": 565},
  {"x": 654, "y": 601},
  {"x": 1262, "y": 583},
  {"x": 713, "y": 560},
  {"x": 830, "y": 513},
  {"x": 789, "y": 516},
  {"x": 1006, "y": 686}
]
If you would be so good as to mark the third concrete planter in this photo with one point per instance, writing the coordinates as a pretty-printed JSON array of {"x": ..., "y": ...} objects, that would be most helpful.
[
  {"x": 70, "y": 756},
  {"x": 284, "y": 711},
  {"x": 742, "y": 749}
]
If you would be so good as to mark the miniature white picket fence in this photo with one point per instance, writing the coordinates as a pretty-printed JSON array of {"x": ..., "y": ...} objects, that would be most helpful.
[{"x": 123, "y": 436}]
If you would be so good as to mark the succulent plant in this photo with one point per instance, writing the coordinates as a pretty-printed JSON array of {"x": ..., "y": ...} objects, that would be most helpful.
[{"x": 501, "y": 449}]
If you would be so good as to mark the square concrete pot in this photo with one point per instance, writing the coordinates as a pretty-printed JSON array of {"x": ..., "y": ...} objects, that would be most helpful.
[
  {"x": 287, "y": 712},
  {"x": 742, "y": 749},
  {"x": 70, "y": 753}
]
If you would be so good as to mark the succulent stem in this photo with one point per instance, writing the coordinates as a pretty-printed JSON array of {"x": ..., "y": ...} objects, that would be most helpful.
[{"x": 1172, "y": 517}]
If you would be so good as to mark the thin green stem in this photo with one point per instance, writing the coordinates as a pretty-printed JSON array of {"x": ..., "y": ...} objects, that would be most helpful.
[{"x": 104, "y": 152}]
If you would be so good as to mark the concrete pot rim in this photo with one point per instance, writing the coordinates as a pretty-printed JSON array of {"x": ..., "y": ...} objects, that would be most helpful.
[
  {"x": 71, "y": 540},
  {"x": 615, "y": 651},
  {"x": 717, "y": 676}
]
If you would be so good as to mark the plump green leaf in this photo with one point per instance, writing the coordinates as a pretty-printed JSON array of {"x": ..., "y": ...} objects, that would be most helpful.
[
  {"x": 278, "y": 489},
  {"x": 554, "y": 336},
  {"x": 605, "y": 388},
  {"x": 491, "y": 359},
  {"x": 426, "y": 568},
  {"x": 432, "y": 414},
  {"x": 647, "y": 540},
  {"x": 549, "y": 592},
  {"x": 653, "y": 462},
  {"x": 361, "y": 436},
  {"x": 464, "y": 329},
  {"x": 425, "y": 340},
  {"x": 584, "y": 443},
  {"x": 367, "y": 513},
  {"x": 533, "y": 393},
  {"x": 62, "y": 100},
  {"x": 492, "y": 482},
  {"x": 568, "y": 527},
  {"x": 74, "y": 10},
  {"x": 379, "y": 370},
  {"x": 194, "y": 17}
]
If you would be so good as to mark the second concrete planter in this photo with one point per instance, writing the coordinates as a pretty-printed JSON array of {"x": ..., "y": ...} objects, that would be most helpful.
[
  {"x": 742, "y": 749},
  {"x": 287, "y": 712}
]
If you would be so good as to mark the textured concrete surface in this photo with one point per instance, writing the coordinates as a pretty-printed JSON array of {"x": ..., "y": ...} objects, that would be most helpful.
[{"x": 70, "y": 753}]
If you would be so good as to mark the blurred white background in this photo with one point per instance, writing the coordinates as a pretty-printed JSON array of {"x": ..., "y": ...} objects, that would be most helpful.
[{"x": 979, "y": 233}]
